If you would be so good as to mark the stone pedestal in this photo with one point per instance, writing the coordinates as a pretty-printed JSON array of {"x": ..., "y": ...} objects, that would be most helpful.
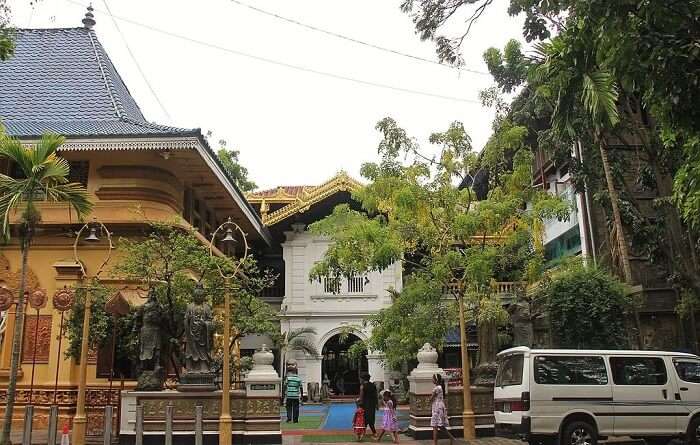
[
  {"x": 420, "y": 389},
  {"x": 421, "y": 385},
  {"x": 263, "y": 390},
  {"x": 255, "y": 411}
]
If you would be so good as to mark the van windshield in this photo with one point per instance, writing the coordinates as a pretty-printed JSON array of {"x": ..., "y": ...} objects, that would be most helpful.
[{"x": 510, "y": 371}]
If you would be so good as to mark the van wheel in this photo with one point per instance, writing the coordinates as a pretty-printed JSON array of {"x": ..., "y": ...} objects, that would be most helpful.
[
  {"x": 579, "y": 433},
  {"x": 693, "y": 435}
]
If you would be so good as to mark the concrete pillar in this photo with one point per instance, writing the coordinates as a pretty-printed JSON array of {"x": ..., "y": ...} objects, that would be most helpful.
[
  {"x": 377, "y": 372},
  {"x": 263, "y": 386},
  {"x": 310, "y": 370},
  {"x": 420, "y": 389}
]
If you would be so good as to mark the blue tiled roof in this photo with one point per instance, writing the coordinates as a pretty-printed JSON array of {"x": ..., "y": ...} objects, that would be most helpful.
[{"x": 62, "y": 80}]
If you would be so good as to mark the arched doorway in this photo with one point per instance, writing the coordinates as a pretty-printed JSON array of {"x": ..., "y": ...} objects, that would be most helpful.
[{"x": 342, "y": 370}]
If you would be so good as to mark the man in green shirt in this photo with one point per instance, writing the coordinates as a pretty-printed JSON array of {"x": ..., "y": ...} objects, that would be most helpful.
[{"x": 294, "y": 392}]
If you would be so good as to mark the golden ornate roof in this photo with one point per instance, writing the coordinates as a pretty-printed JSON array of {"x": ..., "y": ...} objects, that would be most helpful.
[{"x": 298, "y": 199}]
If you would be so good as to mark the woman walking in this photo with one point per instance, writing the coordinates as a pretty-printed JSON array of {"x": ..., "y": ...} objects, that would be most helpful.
[
  {"x": 438, "y": 418},
  {"x": 370, "y": 400}
]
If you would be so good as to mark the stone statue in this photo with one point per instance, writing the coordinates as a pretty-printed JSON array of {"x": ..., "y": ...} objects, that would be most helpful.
[
  {"x": 521, "y": 318},
  {"x": 148, "y": 323},
  {"x": 199, "y": 333}
]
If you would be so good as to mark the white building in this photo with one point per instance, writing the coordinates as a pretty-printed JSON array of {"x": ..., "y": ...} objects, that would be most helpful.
[{"x": 335, "y": 308}]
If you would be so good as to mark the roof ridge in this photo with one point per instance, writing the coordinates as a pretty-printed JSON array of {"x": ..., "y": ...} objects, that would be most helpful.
[{"x": 118, "y": 108}]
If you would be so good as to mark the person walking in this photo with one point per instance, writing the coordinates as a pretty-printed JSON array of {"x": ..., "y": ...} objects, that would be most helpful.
[
  {"x": 438, "y": 415},
  {"x": 390, "y": 423},
  {"x": 358, "y": 421},
  {"x": 294, "y": 393},
  {"x": 370, "y": 400}
]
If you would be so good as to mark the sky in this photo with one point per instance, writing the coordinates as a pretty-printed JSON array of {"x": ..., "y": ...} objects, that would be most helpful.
[{"x": 292, "y": 127}]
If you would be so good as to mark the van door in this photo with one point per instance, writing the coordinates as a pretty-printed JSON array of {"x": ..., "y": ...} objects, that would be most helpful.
[
  {"x": 570, "y": 383},
  {"x": 688, "y": 372},
  {"x": 643, "y": 396}
]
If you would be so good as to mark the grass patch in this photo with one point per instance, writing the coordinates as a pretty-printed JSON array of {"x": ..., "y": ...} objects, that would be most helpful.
[
  {"x": 305, "y": 423},
  {"x": 330, "y": 438}
]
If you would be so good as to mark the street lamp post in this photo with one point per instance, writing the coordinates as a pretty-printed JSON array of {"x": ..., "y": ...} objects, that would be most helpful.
[
  {"x": 80, "y": 419},
  {"x": 225, "y": 420}
]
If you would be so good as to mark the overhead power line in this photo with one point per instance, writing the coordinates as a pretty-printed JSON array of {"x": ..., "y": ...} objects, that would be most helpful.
[
  {"x": 136, "y": 62},
  {"x": 285, "y": 64},
  {"x": 354, "y": 40}
]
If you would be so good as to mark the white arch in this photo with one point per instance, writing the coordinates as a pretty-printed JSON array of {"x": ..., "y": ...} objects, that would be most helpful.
[{"x": 339, "y": 330}]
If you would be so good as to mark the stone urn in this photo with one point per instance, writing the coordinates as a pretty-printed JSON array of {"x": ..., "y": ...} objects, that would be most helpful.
[
  {"x": 263, "y": 357},
  {"x": 427, "y": 357}
]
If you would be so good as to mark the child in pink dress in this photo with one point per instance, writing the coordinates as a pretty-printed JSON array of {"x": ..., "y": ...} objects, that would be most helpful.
[
  {"x": 390, "y": 424},
  {"x": 358, "y": 421}
]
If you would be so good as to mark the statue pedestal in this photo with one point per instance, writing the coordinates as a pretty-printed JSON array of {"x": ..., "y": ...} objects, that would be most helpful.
[
  {"x": 244, "y": 412},
  {"x": 421, "y": 385},
  {"x": 197, "y": 382}
]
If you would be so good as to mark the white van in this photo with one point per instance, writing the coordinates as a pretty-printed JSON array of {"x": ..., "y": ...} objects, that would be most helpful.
[{"x": 580, "y": 396}]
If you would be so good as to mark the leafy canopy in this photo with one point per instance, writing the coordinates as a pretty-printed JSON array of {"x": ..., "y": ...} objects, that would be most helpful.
[
  {"x": 418, "y": 210},
  {"x": 590, "y": 299},
  {"x": 172, "y": 260},
  {"x": 45, "y": 178}
]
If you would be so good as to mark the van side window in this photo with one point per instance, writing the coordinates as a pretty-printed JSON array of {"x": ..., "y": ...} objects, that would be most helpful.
[
  {"x": 510, "y": 371},
  {"x": 638, "y": 370},
  {"x": 687, "y": 370},
  {"x": 570, "y": 370}
]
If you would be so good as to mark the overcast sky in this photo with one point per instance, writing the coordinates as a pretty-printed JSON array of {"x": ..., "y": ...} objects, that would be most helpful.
[{"x": 292, "y": 127}]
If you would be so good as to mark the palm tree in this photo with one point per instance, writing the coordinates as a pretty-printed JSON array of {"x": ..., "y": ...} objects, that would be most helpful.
[
  {"x": 45, "y": 178},
  {"x": 592, "y": 90},
  {"x": 295, "y": 340}
]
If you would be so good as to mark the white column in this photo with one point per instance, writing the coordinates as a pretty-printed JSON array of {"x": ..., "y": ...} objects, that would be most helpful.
[
  {"x": 311, "y": 370},
  {"x": 377, "y": 372}
]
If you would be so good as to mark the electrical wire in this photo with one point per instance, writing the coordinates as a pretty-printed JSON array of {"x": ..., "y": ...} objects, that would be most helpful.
[
  {"x": 136, "y": 62},
  {"x": 353, "y": 40},
  {"x": 285, "y": 64}
]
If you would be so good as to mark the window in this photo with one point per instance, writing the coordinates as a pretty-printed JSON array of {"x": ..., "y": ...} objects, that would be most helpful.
[
  {"x": 638, "y": 370},
  {"x": 687, "y": 370},
  {"x": 510, "y": 371},
  {"x": 79, "y": 171},
  {"x": 570, "y": 370}
]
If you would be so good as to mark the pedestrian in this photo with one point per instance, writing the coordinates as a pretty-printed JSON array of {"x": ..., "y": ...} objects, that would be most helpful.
[
  {"x": 438, "y": 417},
  {"x": 389, "y": 424},
  {"x": 358, "y": 421},
  {"x": 370, "y": 400},
  {"x": 294, "y": 392}
]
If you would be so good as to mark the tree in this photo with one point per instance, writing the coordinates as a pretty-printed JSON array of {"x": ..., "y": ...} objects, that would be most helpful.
[
  {"x": 295, "y": 340},
  {"x": 172, "y": 259},
  {"x": 7, "y": 44},
  {"x": 589, "y": 298},
  {"x": 648, "y": 48},
  {"x": 239, "y": 174},
  {"x": 45, "y": 179},
  {"x": 416, "y": 212}
]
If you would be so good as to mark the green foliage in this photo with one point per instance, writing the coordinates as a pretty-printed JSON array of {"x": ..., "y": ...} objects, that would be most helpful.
[
  {"x": 7, "y": 37},
  {"x": 239, "y": 174},
  {"x": 414, "y": 212},
  {"x": 172, "y": 260},
  {"x": 590, "y": 299},
  {"x": 45, "y": 179},
  {"x": 101, "y": 324}
]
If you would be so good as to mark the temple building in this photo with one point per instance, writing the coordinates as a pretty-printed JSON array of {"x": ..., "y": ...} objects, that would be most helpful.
[
  {"x": 63, "y": 81},
  {"x": 334, "y": 308}
]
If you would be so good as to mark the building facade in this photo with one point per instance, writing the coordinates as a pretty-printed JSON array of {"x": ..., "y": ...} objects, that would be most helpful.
[
  {"x": 135, "y": 171},
  {"x": 334, "y": 307}
]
